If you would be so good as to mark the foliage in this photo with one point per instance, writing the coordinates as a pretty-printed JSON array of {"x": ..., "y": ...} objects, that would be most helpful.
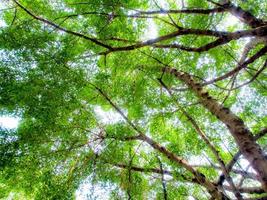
[{"x": 91, "y": 88}]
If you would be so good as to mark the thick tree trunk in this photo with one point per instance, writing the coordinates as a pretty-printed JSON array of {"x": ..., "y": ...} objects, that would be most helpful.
[{"x": 242, "y": 135}]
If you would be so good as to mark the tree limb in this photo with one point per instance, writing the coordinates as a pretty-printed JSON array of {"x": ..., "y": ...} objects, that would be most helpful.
[
  {"x": 242, "y": 135},
  {"x": 202, "y": 180},
  {"x": 94, "y": 40}
]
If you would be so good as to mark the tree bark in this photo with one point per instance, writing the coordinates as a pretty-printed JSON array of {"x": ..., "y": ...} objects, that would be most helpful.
[
  {"x": 242, "y": 135},
  {"x": 201, "y": 179}
]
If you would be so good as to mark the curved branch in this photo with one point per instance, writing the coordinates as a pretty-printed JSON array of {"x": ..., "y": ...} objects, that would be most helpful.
[
  {"x": 186, "y": 11},
  {"x": 142, "y": 169},
  {"x": 260, "y": 134},
  {"x": 260, "y": 53},
  {"x": 94, "y": 40},
  {"x": 254, "y": 76},
  {"x": 211, "y": 45},
  {"x": 224, "y": 37}
]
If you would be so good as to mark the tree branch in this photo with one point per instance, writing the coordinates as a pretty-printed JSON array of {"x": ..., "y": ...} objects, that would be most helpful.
[
  {"x": 202, "y": 180},
  {"x": 242, "y": 135},
  {"x": 254, "y": 77},
  {"x": 186, "y": 11},
  {"x": 260, "y": 53},
  {"x": 94, "y": 40},
  {"x": 208, "y": 143},
  {"x": 163, "y": 180},
  {"x": 249, "y": 190},
  {"x": 203, "y": 48},
  {"x": 243, "y": 15},
  {"x": 235, "y": 158},
  {"x": 224, "y": 37}
]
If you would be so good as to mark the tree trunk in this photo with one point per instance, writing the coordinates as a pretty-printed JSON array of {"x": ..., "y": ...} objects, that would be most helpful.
[{"x": 242, "y": 135}]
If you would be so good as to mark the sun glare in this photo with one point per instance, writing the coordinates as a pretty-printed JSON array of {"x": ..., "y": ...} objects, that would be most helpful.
[
  {"x": 151, "y": 31},
  {"x": 9, "y": 122},
  {"x": 231, "y": 21}
]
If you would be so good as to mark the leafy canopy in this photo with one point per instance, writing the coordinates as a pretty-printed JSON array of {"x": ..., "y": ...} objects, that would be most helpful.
[{"x": 98, "y": 105}]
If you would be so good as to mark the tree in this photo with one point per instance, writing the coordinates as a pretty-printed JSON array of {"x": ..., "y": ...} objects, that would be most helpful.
[{"x": 187, "y": 108}]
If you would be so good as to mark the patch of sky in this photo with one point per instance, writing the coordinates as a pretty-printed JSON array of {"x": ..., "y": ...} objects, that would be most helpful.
[
  {"x": 229, "y": 22},
  {"x": 205, "y": 60},
  {"x": 2, "y": 8},
  {"x": 197, "y": 160},
  {"x": 2, "y": 23},
  {"x": 9, "y": 122},
  {"x": 89, "y": 190},
  {"x": 151, "y": 32},
  {"x": 163, "y": 4},
  {"x": 107, "y": 117},
  {"x": 60, "y": 6},
  {"x": 249, "y": 96}
]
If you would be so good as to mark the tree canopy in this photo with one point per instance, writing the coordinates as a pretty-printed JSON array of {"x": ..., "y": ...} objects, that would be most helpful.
[{"x": 144, "y": 99}]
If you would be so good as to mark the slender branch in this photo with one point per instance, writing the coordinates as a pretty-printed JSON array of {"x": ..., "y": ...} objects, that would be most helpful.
[
  {"x": 113, "y": 16},
  {"x": 246, "y": 174},
  {"x": 235, "y": 158},
  {"x": 163, "y": 180},
  {"x": 118, "y": 110},
  {"x": 142, "y": 169},
  {"x": 254, "y": 77},
  {"x": 249, "y": 190},
  {"x": 186, "y": 11},
  {"x": 257, "y": 55},
  {"x": 260, "y": 134},
  {"x": 129, "y": 138},
  {"x": 229, "y": 167},
  {"x": 223, "y": 36},
  {"x": 211, "y": 45},
  {"x": 94, "y": 40},
  {"x": 242, "y": 179},
  {"x": 202, "y": 180},
  {"x": 130, "y": 177}
]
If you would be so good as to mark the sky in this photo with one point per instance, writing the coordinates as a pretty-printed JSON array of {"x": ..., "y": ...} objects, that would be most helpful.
[
  {"x": 9, "y": 122},
  {"x": 2, "y": 23}
]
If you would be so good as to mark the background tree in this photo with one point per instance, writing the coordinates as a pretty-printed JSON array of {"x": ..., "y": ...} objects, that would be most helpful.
[{"x": 186, "y": 109}]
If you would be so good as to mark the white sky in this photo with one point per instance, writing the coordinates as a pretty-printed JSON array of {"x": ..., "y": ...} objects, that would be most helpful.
[
  {"x": 9, "y": 122},
  {"x": 107, "y": 117},
  {"x": 2, "y": 23}
]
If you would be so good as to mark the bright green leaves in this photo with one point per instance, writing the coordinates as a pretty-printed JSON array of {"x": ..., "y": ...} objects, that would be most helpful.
[
  {"x": 49, "y": 77},
  {"x": 119, "y": 130}
]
